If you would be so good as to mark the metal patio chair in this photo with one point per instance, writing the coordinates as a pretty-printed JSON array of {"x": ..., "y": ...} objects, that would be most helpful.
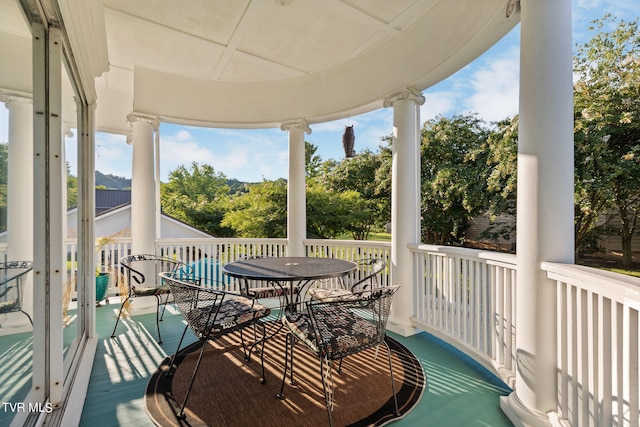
[
  {"x": 140, "y": 273},
  {"x": 12, "y": 275},
  {"x": 210, "y": 314},
  {"x": 365, "y": 277},
  {"x": 333, "y": 330}
]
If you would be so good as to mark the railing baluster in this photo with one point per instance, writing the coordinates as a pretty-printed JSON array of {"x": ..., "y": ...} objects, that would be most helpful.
[
  {"x": 633, "y": 375},
  {"x": 607, "y": 363},
  {"x": 468, "y": 301},
  {"x": 619, "y": 376}
]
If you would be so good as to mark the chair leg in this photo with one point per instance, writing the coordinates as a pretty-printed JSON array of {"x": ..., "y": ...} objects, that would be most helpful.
[
  {"x": 113, "y": 334},
  {"x": 28, "y": 317},
  {"x": 173, "y": 358},
  {"x": 286, "y": 361},
  {"x": 325, "y": 376},
  {"x": 393, "y": 385},
  {"x": 158, "y": 298},
  {"x": 181, "y": 415},
  {"x": 292, "y": 380},
  {"x": 264, "y": 338},
  {"x": 164, "y": 304}
]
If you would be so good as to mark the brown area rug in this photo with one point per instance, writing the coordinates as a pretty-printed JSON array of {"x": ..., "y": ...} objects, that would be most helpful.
[{"x": 228, "y": 391}]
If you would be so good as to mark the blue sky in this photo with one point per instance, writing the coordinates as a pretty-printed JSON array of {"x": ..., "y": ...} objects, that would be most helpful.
[{"x": 488, "y": 86}]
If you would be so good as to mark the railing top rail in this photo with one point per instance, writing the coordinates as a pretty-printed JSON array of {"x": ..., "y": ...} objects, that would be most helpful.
[
  {"x": 465, "y": 252},
  {"x": 221, "y": 240},
  {"x": 350, "y": 243},
  {"x": 616, "y": 286}
]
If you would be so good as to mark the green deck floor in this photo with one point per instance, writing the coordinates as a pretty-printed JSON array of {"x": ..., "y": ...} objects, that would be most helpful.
[{"x": 457, "y": 393}]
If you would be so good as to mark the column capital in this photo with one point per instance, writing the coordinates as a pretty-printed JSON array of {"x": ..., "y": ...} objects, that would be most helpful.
[
  {"x": 296, "y": 124},
  {"x": 145, "y": 118},
  {"x": 404, "y": 94},
  {"x": 8, "y": 98}
]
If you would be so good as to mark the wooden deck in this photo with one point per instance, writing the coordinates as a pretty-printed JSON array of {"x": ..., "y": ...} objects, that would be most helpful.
[{"x": 457, "y": 392}]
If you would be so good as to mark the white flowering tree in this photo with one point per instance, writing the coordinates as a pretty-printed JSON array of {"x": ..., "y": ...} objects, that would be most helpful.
[{"x": 607, "y": 127}]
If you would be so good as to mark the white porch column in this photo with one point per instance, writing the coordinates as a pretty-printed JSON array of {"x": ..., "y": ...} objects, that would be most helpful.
[
  {"x": 143, "y": 198},
  {"x": 405, "y": 201},
  {"x": 297, "y": 191},
  {"x": 20, "y": 178},
  {"x": 545, "y": 202},
  {"x": 19, "y": 203}
]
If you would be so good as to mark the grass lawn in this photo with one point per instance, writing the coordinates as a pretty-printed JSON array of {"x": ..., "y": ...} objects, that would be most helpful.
[{"x": 380, "y": 237}]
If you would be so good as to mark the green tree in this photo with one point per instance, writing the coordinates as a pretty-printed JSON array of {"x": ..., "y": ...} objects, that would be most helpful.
[
  {"x": 312, "y": 161},
  {"x": 501, "y": 153},
  {"x": 361, "y": 174},
  {"x": 592, "y": 193},
  {"x": 326, "y": 214},
  {"x": 453, "y": 177},
  {"x": 197, "y": 196},
  {"x": 607, "y": 105},
  {"x": 261, "y": 212},
  {"x": 332, "y": 213},
  {"x": 72, "y": 189}
]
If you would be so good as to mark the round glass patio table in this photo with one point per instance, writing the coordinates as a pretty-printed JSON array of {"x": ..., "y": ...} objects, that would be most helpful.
[{"x": 297, "y": 272}]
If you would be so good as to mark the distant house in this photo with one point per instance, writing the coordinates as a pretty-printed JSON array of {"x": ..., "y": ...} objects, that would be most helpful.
[{"x": 113, "y": 215}]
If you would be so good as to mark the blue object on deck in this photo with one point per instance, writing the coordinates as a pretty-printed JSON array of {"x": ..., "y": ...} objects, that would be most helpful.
[
  {"x": 209, "y": 272},
  {"x": 102, "y": 284}
]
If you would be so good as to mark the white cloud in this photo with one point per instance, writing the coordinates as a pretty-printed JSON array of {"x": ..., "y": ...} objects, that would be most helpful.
[
  {"x": 183, "y": 135},
  {"x": 438, "y": 103},
  {"x": 333, "y": 126},
  {"x": 495, "y": 88},
  {"x": 113, "y": 155},
  {"x": 175, "y": 152},
  {"x": 244, "y": 155}
]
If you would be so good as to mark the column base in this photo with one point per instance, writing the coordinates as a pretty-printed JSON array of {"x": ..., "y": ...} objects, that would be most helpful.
[
  {"x": 405, "y": 329},
  {"x": 522, "y": 416}
]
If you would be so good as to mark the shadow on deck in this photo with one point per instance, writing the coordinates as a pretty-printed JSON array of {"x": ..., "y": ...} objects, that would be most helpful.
[{"x": 458, "y": 392}]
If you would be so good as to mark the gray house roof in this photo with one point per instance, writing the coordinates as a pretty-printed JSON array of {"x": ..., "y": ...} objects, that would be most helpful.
[{"x": 109, "y": 199}]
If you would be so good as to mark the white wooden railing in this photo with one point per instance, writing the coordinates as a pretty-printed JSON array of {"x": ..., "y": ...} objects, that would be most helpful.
[
  {"x": 351, "y": 250},
  {"x": 207, "y": 255},
  {"x": 597, "y": 338},
  {"x": 466, "y": 297}
]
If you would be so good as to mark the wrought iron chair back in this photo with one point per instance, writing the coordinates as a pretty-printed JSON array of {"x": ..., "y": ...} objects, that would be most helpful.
[
  {"x": 140, "y": 273},
  {"x": 12, "y": 275},
  {"x": 365, "y": 277},
  {"x": 211, "y": 313},
  {"x": 336, "y": 329}
]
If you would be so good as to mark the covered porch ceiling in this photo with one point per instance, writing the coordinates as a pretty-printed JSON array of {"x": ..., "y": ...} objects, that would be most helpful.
[{"x": 254, "y": 63}]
